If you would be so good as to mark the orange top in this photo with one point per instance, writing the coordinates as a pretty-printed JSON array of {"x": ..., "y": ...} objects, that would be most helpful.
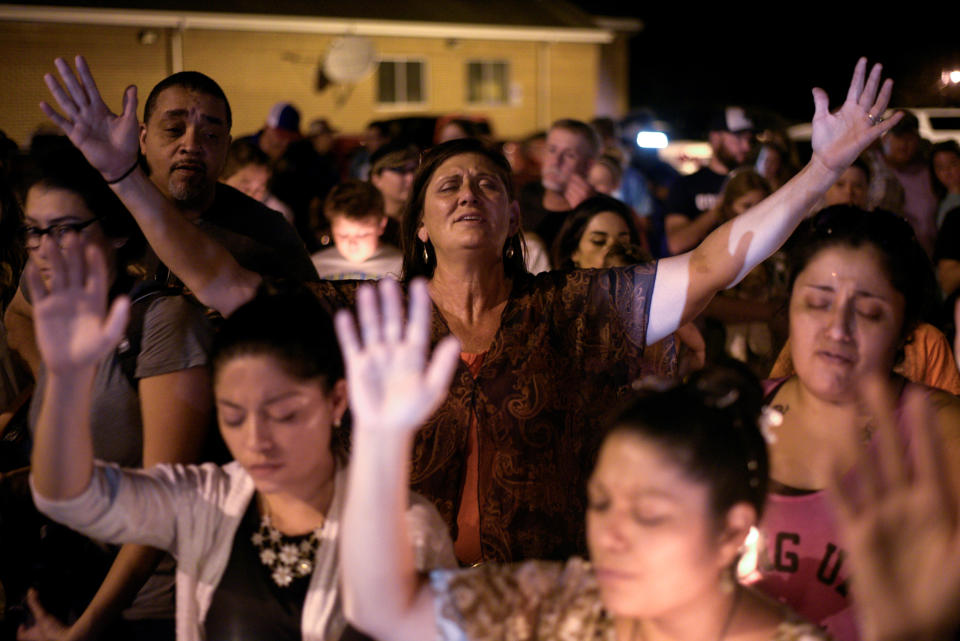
[{"x": 467, "y": 545}]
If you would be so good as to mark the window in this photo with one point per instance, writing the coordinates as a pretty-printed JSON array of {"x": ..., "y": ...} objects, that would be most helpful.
[
  {"x": 488, "y": 82},
  {"x": 401, "y": 81}
]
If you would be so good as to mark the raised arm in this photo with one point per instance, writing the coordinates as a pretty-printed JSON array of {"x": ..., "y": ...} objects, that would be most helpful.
[
  {"x": 393, "y": 390},
  {"x": 900, "y": 525},
  {"x": 110, "y": 143},
  {"x": 73, "y": 333},
  {"x": 686, "y": 283}
]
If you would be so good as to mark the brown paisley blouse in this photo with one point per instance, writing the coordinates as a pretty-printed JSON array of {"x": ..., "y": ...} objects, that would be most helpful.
[
  {"x": 568, "y": 347},
  {"x": 541, "y": 601}
]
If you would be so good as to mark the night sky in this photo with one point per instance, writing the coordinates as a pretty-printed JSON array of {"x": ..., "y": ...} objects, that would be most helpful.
[{"x": 680, "y": 66}]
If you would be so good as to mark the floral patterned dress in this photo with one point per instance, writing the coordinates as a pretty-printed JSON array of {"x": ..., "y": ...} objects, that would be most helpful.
[{"x": 542, "y": 601}]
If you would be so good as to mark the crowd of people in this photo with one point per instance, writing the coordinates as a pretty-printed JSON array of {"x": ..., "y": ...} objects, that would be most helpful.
[{"x": 587, "y": 399}]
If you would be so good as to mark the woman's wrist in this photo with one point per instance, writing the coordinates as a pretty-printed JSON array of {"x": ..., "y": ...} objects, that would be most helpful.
[{"x": 819, "y": 169}]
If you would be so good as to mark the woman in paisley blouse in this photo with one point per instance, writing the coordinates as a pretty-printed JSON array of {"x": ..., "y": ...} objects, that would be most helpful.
[
  {"x": 680, "y": 480},
  {"x": 544, "y": 358}
]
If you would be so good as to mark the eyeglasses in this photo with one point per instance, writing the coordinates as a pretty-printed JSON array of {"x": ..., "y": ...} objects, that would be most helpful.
[{"x": 33, "y": 235}]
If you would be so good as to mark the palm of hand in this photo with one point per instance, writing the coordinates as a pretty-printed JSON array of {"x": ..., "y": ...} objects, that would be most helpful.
[
  {"x": 393, "y": 386},
  {"x": 70, "y": 330},
  {"x": 103, "y": 136},
  {"x": 108, "y": 141},
  {"x": 910, "y": 533},
  {"x": 838, "y": 138},
  {"x": 387, "y": 388}
]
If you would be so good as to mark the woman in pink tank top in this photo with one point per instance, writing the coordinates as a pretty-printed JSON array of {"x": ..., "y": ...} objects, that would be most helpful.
[{"x": 860, "y": 284}]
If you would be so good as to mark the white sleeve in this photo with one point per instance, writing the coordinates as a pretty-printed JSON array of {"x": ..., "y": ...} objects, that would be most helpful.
[
  {"x": 130, "y": 506},
  {"x": 429, "y": 536}
]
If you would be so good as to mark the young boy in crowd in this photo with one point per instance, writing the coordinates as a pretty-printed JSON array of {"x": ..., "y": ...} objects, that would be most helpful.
[{"x": 354, "y": 210}]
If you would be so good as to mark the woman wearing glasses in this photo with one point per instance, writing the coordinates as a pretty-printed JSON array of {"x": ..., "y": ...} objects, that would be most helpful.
[{"x": 149, "y": 405}]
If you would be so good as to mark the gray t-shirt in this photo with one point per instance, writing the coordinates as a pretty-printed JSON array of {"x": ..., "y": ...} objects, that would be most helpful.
[{"x": 176, "y": 336}]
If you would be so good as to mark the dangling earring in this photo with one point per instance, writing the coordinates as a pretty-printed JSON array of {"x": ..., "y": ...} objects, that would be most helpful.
[
  {"x": 508, "y": 249},
  {"x": 426, "y": 255}
]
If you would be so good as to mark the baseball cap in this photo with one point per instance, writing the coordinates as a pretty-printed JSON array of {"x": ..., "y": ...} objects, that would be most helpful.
[
  {"x": 284, "y": 116},
  {"x": 732, "y": 119}
]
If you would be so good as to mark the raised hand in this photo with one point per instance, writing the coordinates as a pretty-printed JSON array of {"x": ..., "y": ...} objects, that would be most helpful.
[
  {"x": 109, "y": 142},
  {"x": 839, "y": 137},
  {"x": 393, "y": 387},
  {"x": 577, "y": 191},
  {"x": 900, "y": 527},
  {"x": 69, "y": 309}
]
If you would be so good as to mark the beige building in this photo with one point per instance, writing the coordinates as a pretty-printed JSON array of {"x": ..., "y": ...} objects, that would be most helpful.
[{"x": 546, "y": 61}]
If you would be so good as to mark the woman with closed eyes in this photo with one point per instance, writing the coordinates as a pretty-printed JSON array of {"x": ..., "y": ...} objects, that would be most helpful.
[
  {"x": 860, "y": 283},
  {"x": 255, "y": 540}
]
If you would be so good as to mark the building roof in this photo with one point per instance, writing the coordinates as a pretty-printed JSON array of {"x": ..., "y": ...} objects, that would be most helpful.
[
  {"x": 537, "y": 20},
  {"x": 526, "y": 13}
]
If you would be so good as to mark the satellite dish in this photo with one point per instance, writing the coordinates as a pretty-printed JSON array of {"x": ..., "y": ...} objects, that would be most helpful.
[{"x": 349, "y": 59}]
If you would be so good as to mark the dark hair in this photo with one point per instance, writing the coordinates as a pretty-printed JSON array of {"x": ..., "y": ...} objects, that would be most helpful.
[
  {"x": 605, "y": 127},
  {"x": 469, "y": 128},
  {"x": 737, "y": 184},
  {"x": 862, "y": 165},
  {"x": 709, "y": 426},
  {"x": 353, "y": 199},
  {"x": 391, "y": 154},
  {"x": 290, "y": 325},
  {"x": 568, "y": 238},
  {"x": 55, "y": 163},
  {"x": 582, "y": 129},
  {"x": 622, "y": 255},
  {"x": 949, "y": 146},
  {"x": 242, "y": 153},
  {"x": 613, "y": 165},
  {"x": 192, "y": 81},
  {"x": 415, "y": 262},
  {"x": 13, "y": 255},
  {"x": 904, "y": 261}
]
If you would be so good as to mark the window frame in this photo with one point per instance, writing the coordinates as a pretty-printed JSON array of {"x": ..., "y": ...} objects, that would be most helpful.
[
  {"x": 485, "y": 65},
  {"x": 424, "y": 83}
]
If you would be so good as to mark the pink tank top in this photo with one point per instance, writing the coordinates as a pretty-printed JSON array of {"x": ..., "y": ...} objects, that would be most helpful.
[{"x": 803, "y": 559}]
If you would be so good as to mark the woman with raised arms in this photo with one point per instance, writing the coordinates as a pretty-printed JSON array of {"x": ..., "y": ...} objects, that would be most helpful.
[
  {"x": 255, "y": 540},
  {"x": 544, "y": 358}
]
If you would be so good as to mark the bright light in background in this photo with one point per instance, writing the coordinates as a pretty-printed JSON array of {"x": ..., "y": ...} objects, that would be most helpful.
[
  {"x": 950, "y": 77},
  {"x": 652, "y": 140}
]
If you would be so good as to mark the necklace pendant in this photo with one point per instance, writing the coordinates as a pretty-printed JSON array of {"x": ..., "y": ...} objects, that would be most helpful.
[{"x": 304, "y": 567}]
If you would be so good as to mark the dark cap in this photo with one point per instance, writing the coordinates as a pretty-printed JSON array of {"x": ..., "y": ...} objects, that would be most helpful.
[
  {"x": 732, "y": 119},
  {"x": 284, "y": 116}
]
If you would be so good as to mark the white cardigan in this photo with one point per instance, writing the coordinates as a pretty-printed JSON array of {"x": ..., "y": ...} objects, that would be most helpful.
[{"x": 193, "y": 512}]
